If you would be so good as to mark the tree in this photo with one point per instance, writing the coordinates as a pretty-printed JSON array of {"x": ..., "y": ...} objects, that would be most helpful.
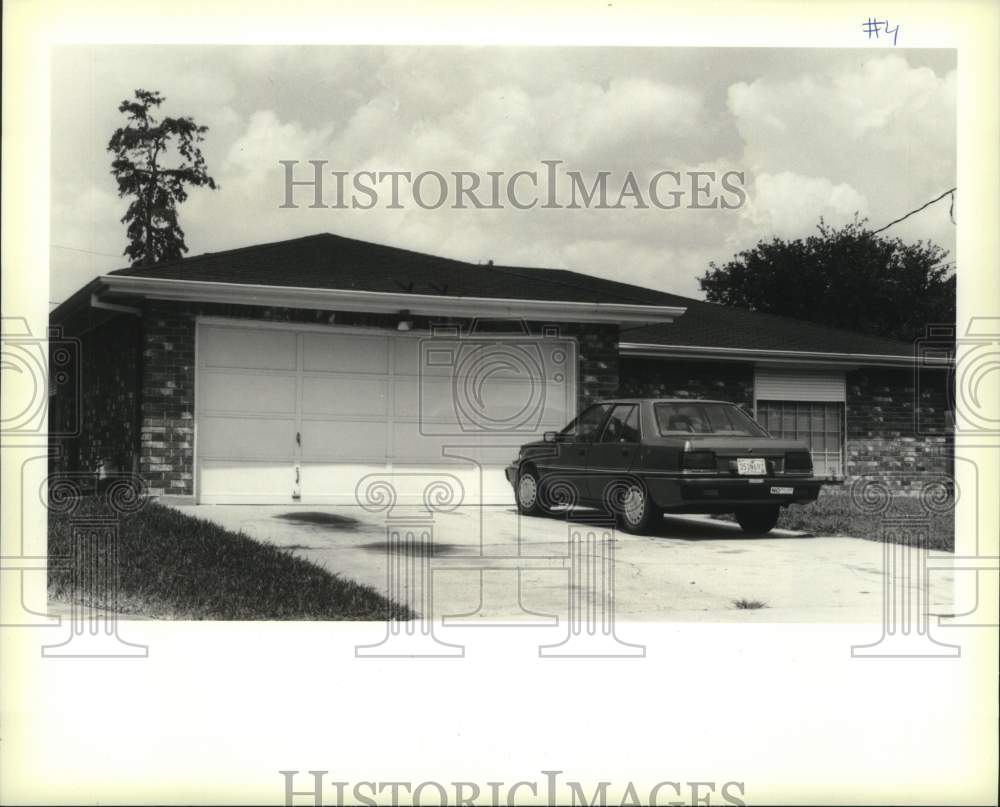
[
  {"x": 154, "y": 162},
  {"x": 847, "y": 278}
]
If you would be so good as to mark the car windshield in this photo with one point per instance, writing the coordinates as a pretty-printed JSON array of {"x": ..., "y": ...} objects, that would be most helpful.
[
  {"x": 585, "y": 425},
  {"x": 697, "y": 417}
]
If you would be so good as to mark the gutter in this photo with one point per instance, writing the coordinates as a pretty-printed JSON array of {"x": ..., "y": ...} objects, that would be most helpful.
[
  {"x": 97, "y": 302},
  {"x": 387, "y": 302},
  {"x": 832, "y": 359}
]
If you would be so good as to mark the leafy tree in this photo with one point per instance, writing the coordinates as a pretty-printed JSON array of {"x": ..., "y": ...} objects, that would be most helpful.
[
  {"x": 154, "y": 162},
  {"x": 848, "y": 278}
]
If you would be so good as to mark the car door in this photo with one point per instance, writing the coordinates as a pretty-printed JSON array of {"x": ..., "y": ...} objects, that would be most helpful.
[
  {"x": 611, "y": 455},
  {"x": 569, "y": 461}
]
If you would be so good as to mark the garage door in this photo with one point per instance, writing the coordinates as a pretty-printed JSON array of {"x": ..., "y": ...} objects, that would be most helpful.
[
  {"x": 806, "y": 405},
  {"x": 305, "y": 414}
]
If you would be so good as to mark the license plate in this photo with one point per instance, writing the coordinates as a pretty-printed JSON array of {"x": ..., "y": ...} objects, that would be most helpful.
[
  {"x": 782, "y": 491},
  {"x": 751, "y": 467}
]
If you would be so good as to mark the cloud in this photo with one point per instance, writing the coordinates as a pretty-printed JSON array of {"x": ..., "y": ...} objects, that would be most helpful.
[
  {"x": 83, "y": 243},
  {"x": 789, "y": 205},
  {"x": 816, "y": 133},
  {"x": 884, "y": 126},
  {"x": 258, "y": 148}
]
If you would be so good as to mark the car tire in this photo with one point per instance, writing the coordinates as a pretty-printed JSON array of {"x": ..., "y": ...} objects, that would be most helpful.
[
  {"x": 758, "y": 520},
  {"x": 528, "y": 494},
  {"x": 636, "y": 512}
]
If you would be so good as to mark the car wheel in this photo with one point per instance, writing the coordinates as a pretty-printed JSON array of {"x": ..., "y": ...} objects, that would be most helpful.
[
  {"x": 634, "y": 511},
  {"x": 758, "y": 520},
  {"x": 528, "y": 494}
]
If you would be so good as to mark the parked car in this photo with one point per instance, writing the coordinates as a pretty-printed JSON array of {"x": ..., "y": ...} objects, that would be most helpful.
[{"x": 640, "y": 458}]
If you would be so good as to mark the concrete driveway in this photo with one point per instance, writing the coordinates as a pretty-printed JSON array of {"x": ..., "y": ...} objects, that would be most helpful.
[{"x": 692, "y": 569}]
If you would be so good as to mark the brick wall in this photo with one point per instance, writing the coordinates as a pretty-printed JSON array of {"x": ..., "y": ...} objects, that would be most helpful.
[
  {"x": 680, "y": 378},
  {"x": 598, "y": 362},
  {"x": 166, "y": 456},
  {"x": 103, "y": 417},
  {"x": 884, "y": 440},
  {"x": 167, "y": 453}
]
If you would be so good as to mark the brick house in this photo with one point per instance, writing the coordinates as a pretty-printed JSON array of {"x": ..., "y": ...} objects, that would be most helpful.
[{"x": 291, "y": 371}]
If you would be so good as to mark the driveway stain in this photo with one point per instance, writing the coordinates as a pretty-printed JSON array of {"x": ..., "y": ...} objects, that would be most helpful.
[
  {"x": 865, "y": 569},
  {"x": 330, "y": 521},
  {"x": 414, "y": 548}
]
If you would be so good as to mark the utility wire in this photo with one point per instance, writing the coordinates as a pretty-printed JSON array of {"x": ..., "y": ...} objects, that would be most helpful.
[
  {"x": 913, "y": 212},
  {"x": 88, "y": 251}
]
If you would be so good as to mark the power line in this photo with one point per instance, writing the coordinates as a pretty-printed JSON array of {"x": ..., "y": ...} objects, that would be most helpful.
[
  {"x": 88, "y": 251},
  {"x": 913, "y": 212}
]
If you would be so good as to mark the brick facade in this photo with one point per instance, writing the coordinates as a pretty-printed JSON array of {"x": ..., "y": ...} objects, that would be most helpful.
[
  {"x": 892, "y": 435},
  {"x": 103, "y": 418},
  {"x": 166, "y": 456},
  {"x": 680, "y": 378},
  {"x": 599, "y": 363}
]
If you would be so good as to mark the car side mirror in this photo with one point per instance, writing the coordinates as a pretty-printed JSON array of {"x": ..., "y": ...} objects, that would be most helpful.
[{"x": 550, "y": 437}]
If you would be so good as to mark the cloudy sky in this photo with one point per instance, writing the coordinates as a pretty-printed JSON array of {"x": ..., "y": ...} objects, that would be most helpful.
[{"x": 816, "y": 133}]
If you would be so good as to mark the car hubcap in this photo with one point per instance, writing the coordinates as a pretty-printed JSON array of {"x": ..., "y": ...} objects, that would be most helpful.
[
  {"x": 635, "y": 504},
  {"x": 527, "y": 490}
]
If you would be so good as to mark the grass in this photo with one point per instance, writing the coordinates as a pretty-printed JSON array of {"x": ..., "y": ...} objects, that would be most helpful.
[
  {"x": 173, "y": 566},
  {"x": 748, "y": 605},
  {"x": 834, "y": 513}
]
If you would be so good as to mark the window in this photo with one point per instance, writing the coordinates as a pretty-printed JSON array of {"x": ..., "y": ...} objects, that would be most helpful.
[
  {"x": 631, "y": 433},
  {"x": 698, "y": 417},
  {"x": 820, "y": 425},
  {"x": 584, "y": 427},
  {"x": 623, "y": 425}
]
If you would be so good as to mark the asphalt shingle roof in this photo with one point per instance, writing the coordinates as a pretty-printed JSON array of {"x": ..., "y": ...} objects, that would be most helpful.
[
  {"x": 329, "y": 261},
  {"x": 711, "y": 325}
]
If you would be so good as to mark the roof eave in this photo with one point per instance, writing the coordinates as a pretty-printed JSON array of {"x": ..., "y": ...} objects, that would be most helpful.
[
  {"x": 388, "y": 302},
  {"x": 813, "y": 357},
  {"x": 78, "y": 299}
]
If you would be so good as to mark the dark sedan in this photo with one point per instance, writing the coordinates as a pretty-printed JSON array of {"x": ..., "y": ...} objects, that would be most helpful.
[{"x": 640, "y": 458}]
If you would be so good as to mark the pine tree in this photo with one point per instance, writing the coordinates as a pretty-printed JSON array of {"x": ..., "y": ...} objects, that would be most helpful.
[{"x": 155, "y": 160}]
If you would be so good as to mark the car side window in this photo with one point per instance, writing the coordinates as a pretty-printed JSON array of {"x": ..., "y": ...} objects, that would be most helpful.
[
  {"x": 622, "y": 426},
  {"x": 630, "y": 431},
  {"x": 585, "y": 426}
]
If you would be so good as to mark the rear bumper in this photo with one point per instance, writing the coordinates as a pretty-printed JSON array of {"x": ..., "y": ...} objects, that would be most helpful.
[
  {"x": 708, "y": 494},
  {"x": 719, "y": 494}
]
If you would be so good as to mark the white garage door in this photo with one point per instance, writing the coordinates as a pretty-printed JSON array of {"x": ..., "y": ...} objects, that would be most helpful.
[{"x": 305, "y": 414}]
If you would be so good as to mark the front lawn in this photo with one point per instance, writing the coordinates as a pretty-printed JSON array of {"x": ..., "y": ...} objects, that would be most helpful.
[
  {"x": 834, "y": 513},
  {"x": 173, "y": 566}
]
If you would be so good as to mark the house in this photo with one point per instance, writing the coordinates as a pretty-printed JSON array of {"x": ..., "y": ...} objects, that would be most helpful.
[{"x": 294, "y": 371}]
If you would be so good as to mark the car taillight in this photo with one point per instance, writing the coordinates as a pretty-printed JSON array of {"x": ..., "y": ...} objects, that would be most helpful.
[
  {"x": 798, "y": 461},
  {"x": 699, "y": 461}
]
